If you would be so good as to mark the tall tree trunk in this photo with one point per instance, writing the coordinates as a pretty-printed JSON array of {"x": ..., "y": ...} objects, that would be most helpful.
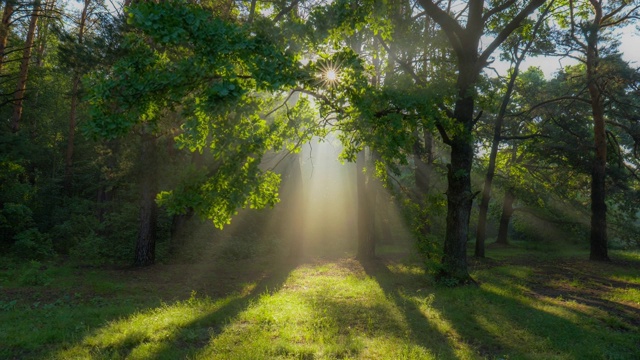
[
  {"x": 42, "y": 32},
  {"x": 252, "y": 11},
  {"x": 381, "y": 231},
  {"x": 68, "y": 166},
  {"x": 505, "y": 218},
  {"x": 507, "y": 202},
  {"x": 481, "y": 231},
  {"x": 366, "y": 246},
  {"x": 5, "y": 28},
  {"x": 598, "y": 237},
  {"x": 106, "y": 189},
  {"x": 459, "y": 195},
  {"x": 146, "y": 244},
  {"x": 177, "y": 231},
  {"x": 459, "y": 200},
  {"x": 24, "y": 69},
  {"x": 465, "y": 42}
]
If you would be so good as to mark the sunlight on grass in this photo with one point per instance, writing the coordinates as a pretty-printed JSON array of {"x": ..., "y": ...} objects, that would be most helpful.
[
  {"x": 330, "y": 310},
  {"x": 630, "y": 295},
  {"x": 337, "y": 310},
  {"x": 521, "y": 323},
  {"x": 323, "y": 311},
  {"x": 404, "y": 269},
  {"x": 143, "y": 334}
]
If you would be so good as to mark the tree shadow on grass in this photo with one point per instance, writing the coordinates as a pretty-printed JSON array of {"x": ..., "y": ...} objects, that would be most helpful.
[
  {"x": 499, "y": 319},
  {"x": 422, "y": 330},
  {"x": 189, "y": 337},
  {"x": 504, "y": 320}
]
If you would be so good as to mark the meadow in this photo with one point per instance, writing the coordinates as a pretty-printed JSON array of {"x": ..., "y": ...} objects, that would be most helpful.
[{"x": 528, "y": 304}]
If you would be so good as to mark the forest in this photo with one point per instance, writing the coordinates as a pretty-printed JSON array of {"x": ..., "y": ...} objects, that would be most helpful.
[{"x": 319, "y": 179}]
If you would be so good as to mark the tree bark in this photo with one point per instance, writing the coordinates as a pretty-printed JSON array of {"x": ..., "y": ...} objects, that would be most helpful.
[
  {"x": 459, "y": 195},
  {"x": 505, "y": 218},
  {"x": 146, "y": 244},
  {"x": 5, "y": 28},
  {"x": 24, "y": 69},
  {"x": 252, "y": 11},
  {"x": 598, "y": 238},
  {"x": 106, "y": 181},
  {"x": 177, "y": 231},
  {"x": 380, "y": 227},
  {"x": 459, "y": 201},
  {"x": 366, "y": 246},
  {"x": 68, "y": 168}
]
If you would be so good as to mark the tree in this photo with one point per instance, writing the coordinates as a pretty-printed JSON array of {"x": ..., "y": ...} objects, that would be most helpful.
[
  {"x": 220, "y": 91},
  {"x": 519, "y": 49},
  {"x": 24, "y": 68},
  {"x": 464, "y": 38},
  {"x": 590, "y": 23},
  {"x": 5, "y": 28},
  {"x": 366, "y": 244},
  {"x": 68, "y": 165}
]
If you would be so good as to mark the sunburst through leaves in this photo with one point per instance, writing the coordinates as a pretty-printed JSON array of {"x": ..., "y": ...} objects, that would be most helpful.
[{"x": 329, "y": 74}]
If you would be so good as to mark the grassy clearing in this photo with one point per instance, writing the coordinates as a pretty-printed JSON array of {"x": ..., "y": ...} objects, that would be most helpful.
[{"x": 339, "y": 309}]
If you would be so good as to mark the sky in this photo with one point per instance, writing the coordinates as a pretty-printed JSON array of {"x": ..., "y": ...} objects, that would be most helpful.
[{"x": 629, "y": 46}]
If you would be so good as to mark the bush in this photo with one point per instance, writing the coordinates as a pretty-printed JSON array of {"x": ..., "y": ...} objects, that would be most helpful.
[
  {"x": 34, "y": 245},
  {"x": 15, "y": 218},
  {"x": 34, "y": 275},
  {"x": 91, "y": 249}
]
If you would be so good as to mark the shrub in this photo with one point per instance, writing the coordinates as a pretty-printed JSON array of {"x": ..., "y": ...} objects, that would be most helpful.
[
  {"x": 91, "y": 249},
  {"x": 34, "y": 275},
  {"x": 34, "y": 245}
]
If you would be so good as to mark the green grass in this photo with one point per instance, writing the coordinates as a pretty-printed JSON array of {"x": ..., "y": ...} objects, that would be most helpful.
[{"x": 323, "y": 310}]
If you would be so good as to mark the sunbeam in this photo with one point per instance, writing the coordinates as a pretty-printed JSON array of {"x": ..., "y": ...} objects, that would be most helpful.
[{"x": 331, "y": 203}]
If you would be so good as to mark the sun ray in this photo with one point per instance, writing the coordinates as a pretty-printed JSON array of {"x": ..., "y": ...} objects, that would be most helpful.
[{"x": 329, "y": 74}]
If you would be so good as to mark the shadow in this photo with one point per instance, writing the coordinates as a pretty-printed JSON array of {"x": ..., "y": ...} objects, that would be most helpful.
[
  {"x": 184, "y": 337},
  {"x": 506, "y": 316},
  {"x": 212, "y": 324},
  {"x": 586, "y": 283},
  {"x": 501, "y": 319},
  {"x": 512, "y": 315},
  {"x": 422, "y": 332}
]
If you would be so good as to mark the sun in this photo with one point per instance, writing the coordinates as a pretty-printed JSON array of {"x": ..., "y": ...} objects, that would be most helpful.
[{"x": 331, "y": 75}]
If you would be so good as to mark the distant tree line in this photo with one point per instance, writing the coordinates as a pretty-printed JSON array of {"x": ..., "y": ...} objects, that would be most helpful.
[{"x": 124, "y": 120}]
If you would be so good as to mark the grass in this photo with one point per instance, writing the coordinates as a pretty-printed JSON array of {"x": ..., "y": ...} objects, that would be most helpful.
[{"x": 523, "y": 308}]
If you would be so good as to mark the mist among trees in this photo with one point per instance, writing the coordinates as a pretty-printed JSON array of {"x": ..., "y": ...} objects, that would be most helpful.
[{"x": 142, "y": 134}]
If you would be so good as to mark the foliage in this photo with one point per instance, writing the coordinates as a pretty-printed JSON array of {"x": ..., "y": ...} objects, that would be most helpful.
[
  {"x": 35, "y": 274},
  {"x": 32, "y": 244},
  {"x": 219, "y": 88}
]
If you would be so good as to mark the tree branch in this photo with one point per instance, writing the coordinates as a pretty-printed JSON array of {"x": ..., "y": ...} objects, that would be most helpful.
[
  {"x": 284, "y": 11},
  {"x": 508, "y": 29},
  {"x": 497, "y": 9},
  {"x": 452, "y": 29}
]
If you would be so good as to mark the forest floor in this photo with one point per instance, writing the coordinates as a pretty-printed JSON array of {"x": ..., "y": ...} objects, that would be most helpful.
[{"x": 528, "y": 304}]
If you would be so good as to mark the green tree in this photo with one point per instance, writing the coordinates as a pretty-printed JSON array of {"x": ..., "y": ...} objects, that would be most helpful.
[
  {"x": 464, "y": 38},
  {"x": 220, "y": 89},
  {"x": 588, "y": 34}
]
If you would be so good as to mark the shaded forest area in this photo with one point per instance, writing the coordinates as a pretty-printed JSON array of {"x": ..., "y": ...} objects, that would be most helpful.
[{"x": 318, "y": 179}]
